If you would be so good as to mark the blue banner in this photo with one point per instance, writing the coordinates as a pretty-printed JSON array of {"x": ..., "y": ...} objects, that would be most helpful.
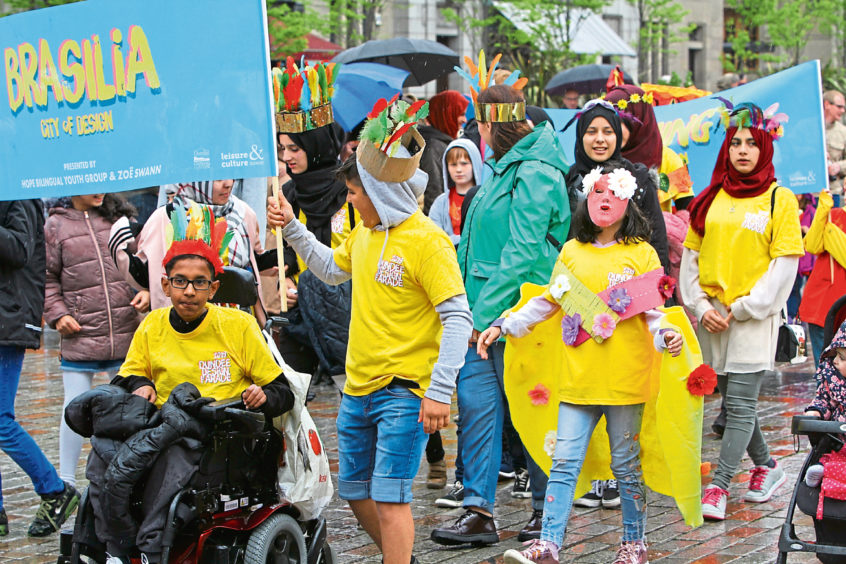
[
  {"x": 104, "y": 96},
  {"x": 693, "y": 129}
]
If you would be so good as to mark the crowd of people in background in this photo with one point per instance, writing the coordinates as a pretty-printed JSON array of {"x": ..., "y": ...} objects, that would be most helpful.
[{"x": 502, "y": 198}]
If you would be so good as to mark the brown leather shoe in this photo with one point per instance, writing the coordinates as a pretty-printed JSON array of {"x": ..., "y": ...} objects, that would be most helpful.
[
  {"x": 472, "y": 527},
  {"x": 532, "y": 530}
]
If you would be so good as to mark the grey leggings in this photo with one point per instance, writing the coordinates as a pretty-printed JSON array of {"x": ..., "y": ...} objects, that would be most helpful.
[{"x": 743, "y": 433}]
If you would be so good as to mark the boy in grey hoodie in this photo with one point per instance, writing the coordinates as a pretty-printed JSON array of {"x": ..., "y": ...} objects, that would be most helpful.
[
  {"x": 446, "y": 209},
  {"x": 409, "y": 330}
]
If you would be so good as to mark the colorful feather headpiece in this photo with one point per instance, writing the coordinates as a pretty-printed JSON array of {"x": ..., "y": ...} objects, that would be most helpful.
[
  {"x": 303, "y": 96},
  {"x": 480, "y": 78},
  {"x": 748, "y": 115},
  {"x": 391, "y": 125},
  {"x": 197, "y": 232}
]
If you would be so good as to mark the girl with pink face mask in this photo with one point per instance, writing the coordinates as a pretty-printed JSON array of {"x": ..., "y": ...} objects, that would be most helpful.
[{"x": 609, "y": 255}]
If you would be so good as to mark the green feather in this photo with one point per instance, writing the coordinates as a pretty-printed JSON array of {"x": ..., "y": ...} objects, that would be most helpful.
[
  {"x": 324, "y": 85},
  {"x": 179, "y": 221},
  {"x": 205, "y": 230},
  {"x": 374, "y": 131},
  {"x": 423, "y": 113},
  {"x": 224, "y": 245}
]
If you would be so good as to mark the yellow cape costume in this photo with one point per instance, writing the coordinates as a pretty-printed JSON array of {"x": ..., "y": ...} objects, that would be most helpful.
[{"x": 671, "y": 433}]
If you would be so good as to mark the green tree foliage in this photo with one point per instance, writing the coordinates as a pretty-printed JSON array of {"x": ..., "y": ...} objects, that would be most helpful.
[
  {"x": 14, "y": 6},
  {"x": 658, "y": 23},
  {"x": 353, "y": 21},
  {"x": 542, "y": 47},
  {"x": 288, "y": 28},
  {"x": 741, "y": 33},
  {"x": 793, "y": 21}
]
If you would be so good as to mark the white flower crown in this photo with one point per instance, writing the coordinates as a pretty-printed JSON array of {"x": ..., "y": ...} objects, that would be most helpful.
[{"x": 620, "y": 181}]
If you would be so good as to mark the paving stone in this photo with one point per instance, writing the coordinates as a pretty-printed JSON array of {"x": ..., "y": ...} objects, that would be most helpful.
[{"x": 750, "y": 534}]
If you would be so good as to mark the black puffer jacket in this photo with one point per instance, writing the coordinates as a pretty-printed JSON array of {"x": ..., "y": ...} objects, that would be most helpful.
[
  {"x": 112, "y": 414},
  {"x": 326, "y": 310},
  {"x": 22, "y": 273}
]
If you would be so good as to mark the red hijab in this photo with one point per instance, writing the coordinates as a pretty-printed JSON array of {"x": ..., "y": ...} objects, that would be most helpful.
[
  {"x": 444, "y": 110},
  {"x": 727, "y": 177},
  {"x": 645, "y": 144}
]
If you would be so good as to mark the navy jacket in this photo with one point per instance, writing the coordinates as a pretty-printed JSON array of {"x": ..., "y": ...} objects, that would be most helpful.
[{"x": 23, "y": 271}]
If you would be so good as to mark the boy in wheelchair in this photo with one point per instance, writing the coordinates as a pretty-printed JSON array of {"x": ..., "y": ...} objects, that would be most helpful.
[{"x": 219, "y": 350}]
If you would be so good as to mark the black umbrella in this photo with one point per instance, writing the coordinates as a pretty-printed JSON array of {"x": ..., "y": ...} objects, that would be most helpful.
[
  {"x": 585, "y": 79},
  {"x": 425, "y": 60}
]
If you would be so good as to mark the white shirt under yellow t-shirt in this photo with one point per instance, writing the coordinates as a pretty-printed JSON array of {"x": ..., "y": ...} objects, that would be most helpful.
[
  {"x": 222, "y": 356},
  {"x": 742, "y": 236},
  {"x": 394, "y": 328}
]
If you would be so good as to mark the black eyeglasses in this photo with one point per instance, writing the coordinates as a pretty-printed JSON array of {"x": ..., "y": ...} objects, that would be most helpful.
[{"x": 180, "y": 283}]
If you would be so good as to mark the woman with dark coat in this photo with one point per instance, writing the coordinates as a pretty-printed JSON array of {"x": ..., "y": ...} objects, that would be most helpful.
[
  {"x": 319, "y": 316},
  {"x": 598, "y": 140}
]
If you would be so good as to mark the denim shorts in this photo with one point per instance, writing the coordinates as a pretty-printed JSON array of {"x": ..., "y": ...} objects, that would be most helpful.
[{"x": 380, "y": 445}]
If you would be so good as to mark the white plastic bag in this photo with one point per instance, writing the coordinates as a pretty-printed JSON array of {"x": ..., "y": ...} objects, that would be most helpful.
[{"x": 304, "y": 480}]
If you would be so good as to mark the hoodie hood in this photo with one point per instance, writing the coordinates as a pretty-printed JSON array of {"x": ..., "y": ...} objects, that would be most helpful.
[
  {"x": 539, "y": 145},
  {"x": 394, "y": 201},
  {"x": 475, "y": 160},
  {"x": 837, "y": 342}
]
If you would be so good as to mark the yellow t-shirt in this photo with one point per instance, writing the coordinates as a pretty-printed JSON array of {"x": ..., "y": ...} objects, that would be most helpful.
[
  {"x": 394, "y": 328},
  {"x": 222, "y": 357},
  {"x": 340, "y": 225},
  {"x": 741, "y": 238},
  {"x": 680, "y": 184},
  {"x": 616, "y": 371}
]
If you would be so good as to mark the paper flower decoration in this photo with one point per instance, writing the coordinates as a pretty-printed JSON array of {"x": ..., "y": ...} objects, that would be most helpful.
[
  {"x": 622, "y": 183},
  {"x": 603, "y": 325},
  {"x": 539, "y": 395},
  {"x": 549, "y": 441},
  {"x": 559, "y": 286},
  {"x": 705, "y": 468},
  {"x": 702, "y": 380},
  {"x": 570, "y": 325},
  {"x": 619, "y": 300},
  {"x": 589, "y": 180},
  {"x": 666, "y": 286}
]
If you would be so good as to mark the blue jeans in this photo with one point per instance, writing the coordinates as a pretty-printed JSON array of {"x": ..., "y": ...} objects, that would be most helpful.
[
  {"x": 481, "y": 408},
  {"x": 380, "y": 444},
  {"x": 575, "y": 427},
  {"x": 817, "y": 335},
  {"x": 14, "y": 441}
]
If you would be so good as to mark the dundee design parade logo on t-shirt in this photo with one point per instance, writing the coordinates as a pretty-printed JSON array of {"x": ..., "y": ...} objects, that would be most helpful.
[{"x": 216, "y": 371}]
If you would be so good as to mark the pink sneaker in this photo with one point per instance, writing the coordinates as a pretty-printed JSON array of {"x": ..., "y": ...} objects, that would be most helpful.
[
  {"x": 632, "y": 553},
  {"x": 536, "y": 552},
  {"x": 714, "y": 503}
]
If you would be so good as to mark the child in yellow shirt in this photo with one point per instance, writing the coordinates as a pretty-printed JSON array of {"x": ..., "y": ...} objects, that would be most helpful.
[
  {"x": 219, "y": 350},
  {"x": 608, "y": 256}
]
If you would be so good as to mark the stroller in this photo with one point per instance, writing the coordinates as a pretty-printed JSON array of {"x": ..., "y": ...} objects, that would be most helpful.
[
  {"x": 824, "y": 436},
  {"x": 231, "y": 511}
]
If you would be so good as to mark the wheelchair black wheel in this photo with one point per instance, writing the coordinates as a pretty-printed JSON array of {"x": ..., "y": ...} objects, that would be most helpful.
[
  {"x": 327, "y": 555},
  {"x": 279, "y": 540}
]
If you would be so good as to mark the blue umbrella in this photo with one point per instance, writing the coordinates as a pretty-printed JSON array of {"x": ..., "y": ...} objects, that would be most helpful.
[{"x": 359, "y": 85}]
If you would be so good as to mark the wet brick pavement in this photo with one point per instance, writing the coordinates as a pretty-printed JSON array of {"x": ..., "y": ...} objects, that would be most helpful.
[{"x": 749, "y": 534}]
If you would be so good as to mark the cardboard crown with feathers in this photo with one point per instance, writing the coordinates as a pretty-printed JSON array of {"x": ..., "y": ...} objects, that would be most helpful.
[
  {"x": 391, "y": 125},
  {"x": 480, "y": 78},
  {"x": 303, "y": 95},
  {"x": 197, "y": 233}
]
